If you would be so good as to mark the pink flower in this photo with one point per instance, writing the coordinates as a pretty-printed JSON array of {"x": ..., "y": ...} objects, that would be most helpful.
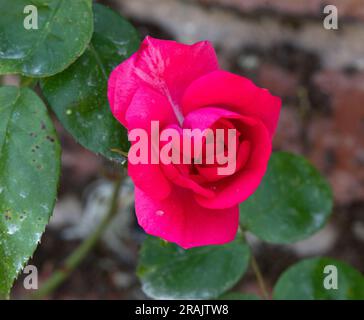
[{"x": 181, "y": 86}]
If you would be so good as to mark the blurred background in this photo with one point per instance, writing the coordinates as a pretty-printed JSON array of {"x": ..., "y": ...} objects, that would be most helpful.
[{"x": 281, "y": 45}]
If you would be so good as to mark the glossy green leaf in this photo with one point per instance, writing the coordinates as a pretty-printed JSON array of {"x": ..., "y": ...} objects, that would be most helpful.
[
  {"x": 306, "y": 281},
  {"x": 169, "y": 272},
  {"x": 239, "y": 296},
  {"x": 292, "y": 202},
  {"x": 78, "y": 95},
  {"x": 64, "y": 30},
  {"x": 29, "y": 172}
]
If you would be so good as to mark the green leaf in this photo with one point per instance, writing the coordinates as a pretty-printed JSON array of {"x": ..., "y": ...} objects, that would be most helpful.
[
  {"x": 29, "y": 172},
  {"x": 292, "y": 202},
  {"x": 305, "y": 281},
  {"x": 64, "y": 30},
  {"x": 169, "y": 272},
  {"x": 78, "y": 95},
  {"x": 239, "y": 296}
]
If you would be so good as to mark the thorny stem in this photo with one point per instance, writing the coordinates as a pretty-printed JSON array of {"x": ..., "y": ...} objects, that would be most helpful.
[{"x": 74, "y": 260}]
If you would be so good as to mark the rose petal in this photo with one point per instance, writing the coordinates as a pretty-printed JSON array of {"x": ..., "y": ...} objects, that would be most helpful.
[
  {"x": 147, "y": 177},
  {"x": 237, "y": 188},
  {"x": 179, "y": 173},
  {"x": 210, "y": 173},
  {"x": 121, "y": 88},
  {"x": 205, "y": 117},
  {"x": 221, "y": 88},
  {"x": 158, "y": 64},
  {"x": 181, "y": 220},
  {"x": 184, "y": 180},
  {"x": 208, "y": 117},
  {"x": 146, "y": 106}
]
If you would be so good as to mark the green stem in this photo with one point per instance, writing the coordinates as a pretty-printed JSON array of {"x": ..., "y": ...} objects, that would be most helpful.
[
  {"x": 259, "y": 276},
  {"x": 74, "y": 260},
  {"x": 256, "y": 269},
  {"x": 121, "y": 152}
]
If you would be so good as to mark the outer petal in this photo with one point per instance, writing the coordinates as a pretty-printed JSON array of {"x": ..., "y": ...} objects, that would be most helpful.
[
  {"x": 121, "y": 88},
  {"x": 181, "y": 220},
  {"x": 221, "y": 88},
  {"x": 167, "y": 66},
  {"x": 146, "y": 106}
]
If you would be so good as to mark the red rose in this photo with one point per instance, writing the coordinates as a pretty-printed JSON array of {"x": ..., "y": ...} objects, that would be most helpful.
[{"x": 182, "y": 87}]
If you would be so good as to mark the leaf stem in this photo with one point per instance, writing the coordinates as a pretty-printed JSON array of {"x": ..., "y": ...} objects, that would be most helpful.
[{"x": 74, "y": 260}]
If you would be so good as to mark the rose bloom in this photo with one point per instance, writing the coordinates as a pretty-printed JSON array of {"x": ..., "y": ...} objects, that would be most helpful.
[{"x": 181, "y": 86}]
